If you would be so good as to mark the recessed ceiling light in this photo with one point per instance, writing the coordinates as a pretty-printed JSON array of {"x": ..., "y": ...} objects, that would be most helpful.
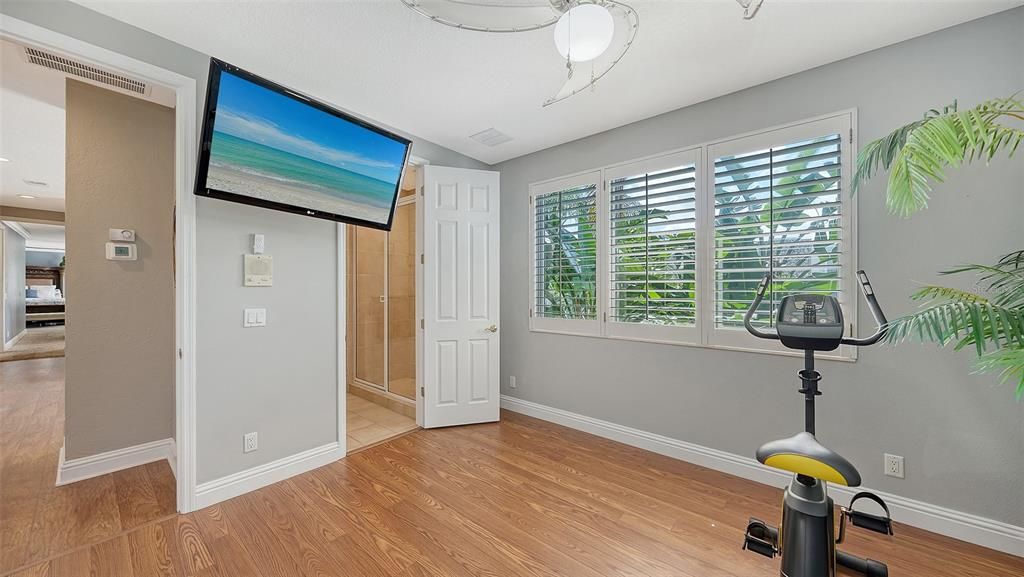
[
  {"x": 2, "y": 159},
  {"x": 29, "y": 196}
]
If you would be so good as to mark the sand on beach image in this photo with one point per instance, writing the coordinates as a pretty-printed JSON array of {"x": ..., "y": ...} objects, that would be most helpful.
[{"x": 230, "y": 179}]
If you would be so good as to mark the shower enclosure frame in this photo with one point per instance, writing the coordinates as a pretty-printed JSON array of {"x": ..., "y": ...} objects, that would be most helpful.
[{"x": 385, "y": 388}]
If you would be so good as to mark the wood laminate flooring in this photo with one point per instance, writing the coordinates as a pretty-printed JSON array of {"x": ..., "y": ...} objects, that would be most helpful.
[
  {"x": 518, "y": 498},
  {"x": 38, "y": 343},
  {"x": 39, "y": 520}
]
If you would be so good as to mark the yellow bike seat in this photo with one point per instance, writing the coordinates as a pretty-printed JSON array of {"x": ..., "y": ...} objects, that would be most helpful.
[{"x": 804, "y": 455}]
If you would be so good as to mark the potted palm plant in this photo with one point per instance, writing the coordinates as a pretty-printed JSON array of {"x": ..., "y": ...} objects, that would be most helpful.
[{"x": 991, "y": 319}]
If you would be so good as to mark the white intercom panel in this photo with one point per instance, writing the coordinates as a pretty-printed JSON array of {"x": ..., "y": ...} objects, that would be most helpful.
[{"x": 259, "y": 270}]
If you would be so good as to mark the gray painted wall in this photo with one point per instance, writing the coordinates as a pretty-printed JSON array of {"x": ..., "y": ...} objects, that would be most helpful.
[
  {"x": 962, "y": 436},
  {"x": 14, "y": 283},
  {"x": 280, "y": 380}
]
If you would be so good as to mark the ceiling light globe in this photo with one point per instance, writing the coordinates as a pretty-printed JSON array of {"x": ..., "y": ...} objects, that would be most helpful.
[{"x": 584, "y": 32}]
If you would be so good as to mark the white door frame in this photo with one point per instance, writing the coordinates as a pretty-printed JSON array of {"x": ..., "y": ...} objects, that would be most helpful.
[
  {"x": 3, "y": 292},
  {"x": 419, "y": 162},
  {"x": 185, "y": 113},
  {"x": 343, "y": 286}
]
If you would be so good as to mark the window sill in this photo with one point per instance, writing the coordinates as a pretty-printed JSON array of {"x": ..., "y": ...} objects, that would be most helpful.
[{"x": 831, "y": 356}]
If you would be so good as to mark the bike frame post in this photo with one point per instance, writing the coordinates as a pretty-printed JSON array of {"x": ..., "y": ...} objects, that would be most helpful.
[{"x": 809, "y": 378}]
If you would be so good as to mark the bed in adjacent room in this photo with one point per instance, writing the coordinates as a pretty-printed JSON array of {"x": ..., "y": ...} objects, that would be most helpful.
[{"x": 44, "y": 304}]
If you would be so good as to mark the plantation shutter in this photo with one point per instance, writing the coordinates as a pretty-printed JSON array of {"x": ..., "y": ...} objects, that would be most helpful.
[
  {"x": 565, "y": 253},
  {"x": 778, "y": 209},
  {"x": 652, "y": 248}
]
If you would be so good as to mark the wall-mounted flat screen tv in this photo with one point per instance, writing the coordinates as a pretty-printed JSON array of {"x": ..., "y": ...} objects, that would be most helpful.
[{"x": 269, "y": 146}]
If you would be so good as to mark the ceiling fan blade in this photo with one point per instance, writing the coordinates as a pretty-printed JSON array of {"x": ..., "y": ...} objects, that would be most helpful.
[
  {"x": 585, "y": 74},
  {"x": 491, "y": 15}
]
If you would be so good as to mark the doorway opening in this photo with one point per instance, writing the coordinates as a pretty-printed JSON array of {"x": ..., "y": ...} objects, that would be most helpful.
[
  {"x": 381, "y": 344},
  {"x": 68, "y": 138},
  {"x": 33, "y": 257}
]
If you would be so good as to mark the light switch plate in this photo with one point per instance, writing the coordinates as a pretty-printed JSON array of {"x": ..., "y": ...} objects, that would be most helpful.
[{"x": 254, "y": 318}]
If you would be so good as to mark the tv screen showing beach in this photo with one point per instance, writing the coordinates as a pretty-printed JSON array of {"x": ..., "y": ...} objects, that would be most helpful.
[{"x": 283, "y": 152}]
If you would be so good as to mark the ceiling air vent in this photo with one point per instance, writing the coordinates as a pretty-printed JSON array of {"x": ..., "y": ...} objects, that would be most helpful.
[
  {"x": 83, "y": 70},
  {"x": 491, "y": 137}
]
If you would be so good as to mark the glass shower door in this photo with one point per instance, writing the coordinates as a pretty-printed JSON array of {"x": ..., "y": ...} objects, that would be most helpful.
[{"x": 370, "y": 354}]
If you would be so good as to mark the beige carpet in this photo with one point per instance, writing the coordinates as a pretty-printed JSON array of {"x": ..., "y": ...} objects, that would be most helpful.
[{"x": 38, "y": 343}]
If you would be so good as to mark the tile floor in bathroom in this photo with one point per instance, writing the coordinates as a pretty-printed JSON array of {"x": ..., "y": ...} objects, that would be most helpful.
[{"x": 369, "y": 423}]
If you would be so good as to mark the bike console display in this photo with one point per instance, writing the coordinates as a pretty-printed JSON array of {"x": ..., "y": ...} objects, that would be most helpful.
[
  {"x": 811, "y": 322},
  {"x": 807, "y": 321}
]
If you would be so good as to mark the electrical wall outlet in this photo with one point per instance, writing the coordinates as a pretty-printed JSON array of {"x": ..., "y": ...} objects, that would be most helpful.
[
  {"x": 249, "y": 443},
  {"x": 894, "y": 466},
  {"x": 511, "y": 382}
]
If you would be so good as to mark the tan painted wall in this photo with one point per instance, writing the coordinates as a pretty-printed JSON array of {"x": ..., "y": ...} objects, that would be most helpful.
[{"x": 120, "y": 314}]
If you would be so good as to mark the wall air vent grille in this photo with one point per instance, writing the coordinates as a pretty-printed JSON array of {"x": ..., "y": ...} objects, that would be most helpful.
[
  {"x": 491, "y": 137},
  {"x": 86, "y": 71}
]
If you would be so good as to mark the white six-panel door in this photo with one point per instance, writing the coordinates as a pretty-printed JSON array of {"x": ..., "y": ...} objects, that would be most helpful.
[{"x": 459, "y": 335}]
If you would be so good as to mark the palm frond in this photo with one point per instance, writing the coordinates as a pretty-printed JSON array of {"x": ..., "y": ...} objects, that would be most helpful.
[
  {"x": 879, "y": 154},
  {"x": 919, "y": 153},
  {"x": 981, "y": 324},
  {"x": 1009, "y": 363},
  {"x": 1005, "y": 279},
  {"x": 935, "y": 292},
  {"x": 1012, "y": 261}
]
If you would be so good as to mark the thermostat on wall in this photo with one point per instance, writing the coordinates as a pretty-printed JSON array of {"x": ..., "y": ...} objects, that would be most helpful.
[
  {"x": 122, "y": 235},
  {"x": 121, "y": 251},
  {"x": 259, "y": 270}
]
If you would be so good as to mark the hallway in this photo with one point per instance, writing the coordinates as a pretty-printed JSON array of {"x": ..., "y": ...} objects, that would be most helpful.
[{"x": 39, "y": 520}]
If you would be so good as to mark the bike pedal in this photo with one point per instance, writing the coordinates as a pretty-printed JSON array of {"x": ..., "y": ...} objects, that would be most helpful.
[
  {"x": 877, "y": 523},
  {"x": 761, "y": 538}
]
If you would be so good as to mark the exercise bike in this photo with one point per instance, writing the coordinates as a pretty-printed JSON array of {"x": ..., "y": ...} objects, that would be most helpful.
[{"x": 805, "y": 539}]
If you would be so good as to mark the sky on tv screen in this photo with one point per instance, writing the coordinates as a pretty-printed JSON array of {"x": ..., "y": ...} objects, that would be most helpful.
[{"x": 270, "y": 146}]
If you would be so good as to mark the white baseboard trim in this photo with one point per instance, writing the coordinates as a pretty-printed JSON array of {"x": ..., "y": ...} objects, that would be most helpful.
[
  {"x": 14, "y": 340},
  {"x": 72, "y": 470},
  {"x": 964, "y": 526},
  {"x": 212, "y": 492}
]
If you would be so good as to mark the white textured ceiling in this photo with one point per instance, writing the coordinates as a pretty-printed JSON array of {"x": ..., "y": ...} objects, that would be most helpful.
[
  {"x": 32, "y": 130},
  {"x": 381, "y": 60}
]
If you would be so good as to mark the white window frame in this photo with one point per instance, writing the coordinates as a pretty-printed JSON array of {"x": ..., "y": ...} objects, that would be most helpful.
[
  {"x": 581, "y": 327},
  {"x": 648, "y": 331},
  {"x": 705, "y": 334},
  {"x": 841, "y": 124}
]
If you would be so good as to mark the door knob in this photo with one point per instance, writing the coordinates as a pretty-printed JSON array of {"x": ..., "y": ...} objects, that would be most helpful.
[{"x": 492, "y": 329}]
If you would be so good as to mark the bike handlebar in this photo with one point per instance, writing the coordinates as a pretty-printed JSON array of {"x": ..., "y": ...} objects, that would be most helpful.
[
  {"x": 761, "y": 287},
  {"x": 865, "y": 288},
  {"x": 876, "y": 313}
]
